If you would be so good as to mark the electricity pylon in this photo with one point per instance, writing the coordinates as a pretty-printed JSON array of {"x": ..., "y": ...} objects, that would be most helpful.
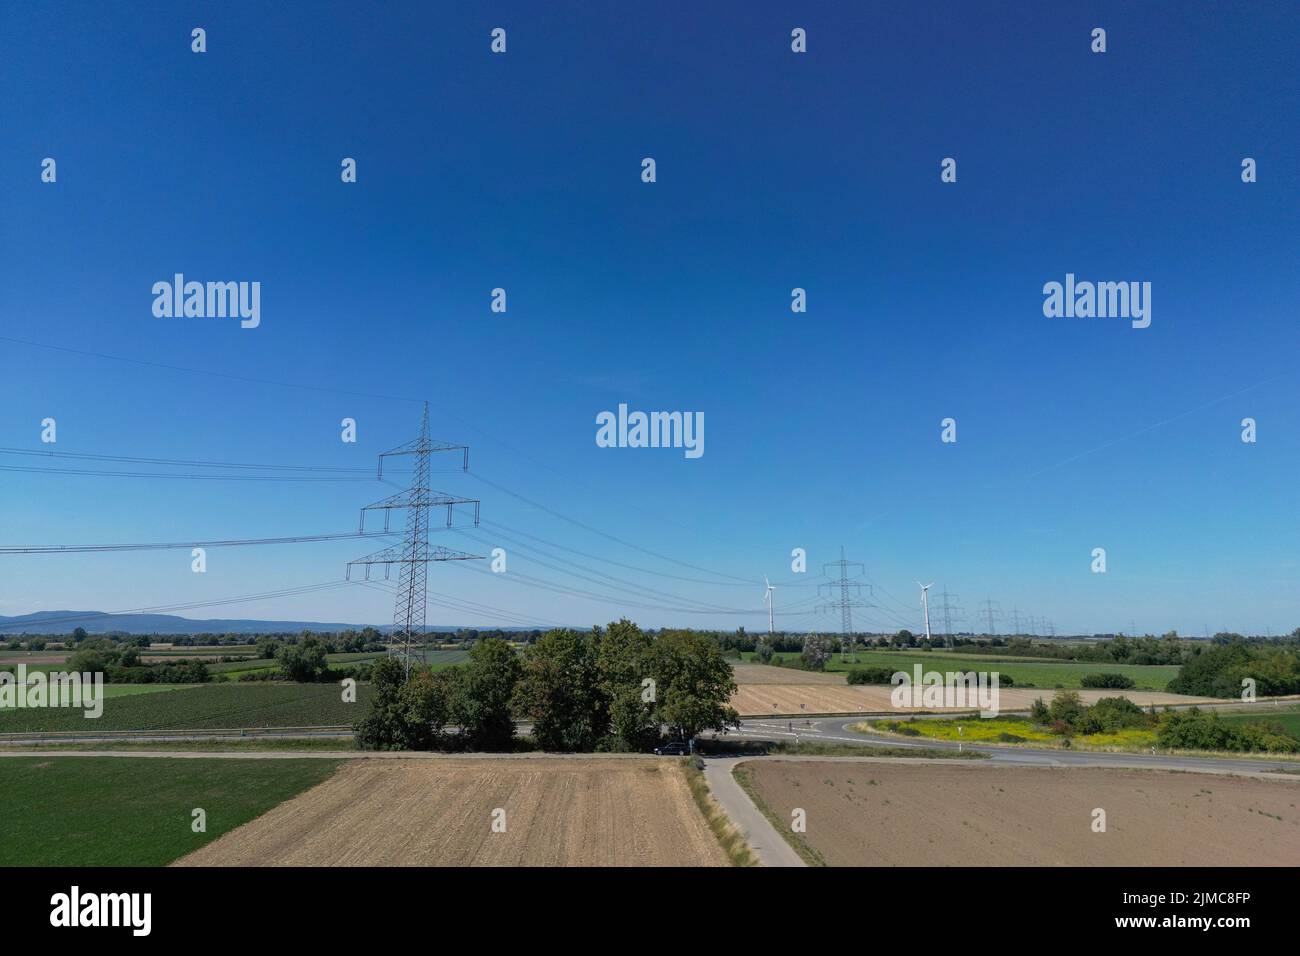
[
  {"x": 850, "y": 595},
  {"x": 947, "y": 610},
  {"x": 992, "y": 610},
  {"x": 414, "y": 554}
]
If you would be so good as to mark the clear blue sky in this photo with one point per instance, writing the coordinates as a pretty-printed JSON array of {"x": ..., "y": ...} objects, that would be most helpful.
[{"x": 775, "y": 170}]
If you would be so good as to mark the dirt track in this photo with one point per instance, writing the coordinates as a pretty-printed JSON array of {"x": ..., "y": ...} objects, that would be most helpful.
[
  {"x": 940, "y": 814},
  {"x": 558, "y": 812}
]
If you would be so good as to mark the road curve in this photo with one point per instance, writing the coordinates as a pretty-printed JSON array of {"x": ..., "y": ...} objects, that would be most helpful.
[{"x": 836, "y": 730}]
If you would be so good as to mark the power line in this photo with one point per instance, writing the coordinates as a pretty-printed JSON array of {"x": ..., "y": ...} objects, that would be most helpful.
[
  {"x": 97, "y": 473},
  {"x": 617, "y": 540},
  {"x": 187, "y": 462},
  {"x": 174, "y": 545},
  {"x": 168, "y": 608},
  {"x": 200, "y": 371}
]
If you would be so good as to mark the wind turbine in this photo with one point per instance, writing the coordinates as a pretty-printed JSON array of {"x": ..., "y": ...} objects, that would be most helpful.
[
  {"x": 925, "y": 603},
  {"x": 767, "y": 599}
]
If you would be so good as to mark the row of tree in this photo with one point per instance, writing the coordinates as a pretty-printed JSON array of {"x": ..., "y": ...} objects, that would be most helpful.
[{"x": 613, "y": 689}]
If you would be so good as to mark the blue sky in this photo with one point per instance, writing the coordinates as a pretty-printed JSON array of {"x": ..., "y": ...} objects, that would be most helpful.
[{"x": 775, "y": 170}]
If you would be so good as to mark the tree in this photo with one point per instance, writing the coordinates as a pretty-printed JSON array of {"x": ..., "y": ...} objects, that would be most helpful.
[
  {"x": 816, "y": 652},
  {"x": 383, "y": 727},
  {"x": 625, "y": 663},
  {"x": 763, "y": 653},
  {"x": 88, "y": 661},
  {"x": 486, "y": 686},
  {"x": 559, "y": 688},
  {"x": 305, "y": 661},
  {"x": 78, "y": 635},
  {"x": 1067, "y": 706},
  {"x": 693, "y": 683}
]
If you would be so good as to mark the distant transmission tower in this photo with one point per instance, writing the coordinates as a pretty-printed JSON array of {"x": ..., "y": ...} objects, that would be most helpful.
[
  {"x": 991, "y": 611},
  {"x": 946, "y": 609},
  {"x": 849, "y": 596},
  {"x": 414, "y": 555}
]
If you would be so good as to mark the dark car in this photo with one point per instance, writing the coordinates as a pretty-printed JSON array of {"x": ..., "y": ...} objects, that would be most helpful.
[{"x": 674, "y": 748}]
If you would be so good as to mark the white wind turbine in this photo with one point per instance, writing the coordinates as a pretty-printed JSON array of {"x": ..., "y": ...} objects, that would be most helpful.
[
  {"x": 925, "y": 603},
  {"x": 767, "y": 599}
]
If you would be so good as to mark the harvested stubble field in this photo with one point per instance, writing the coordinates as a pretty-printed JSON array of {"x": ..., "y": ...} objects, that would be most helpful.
[
  {"x": 930, "y": 814},
  {"x": 439, "y": 812},
  {"x": 822, "y": 698}
]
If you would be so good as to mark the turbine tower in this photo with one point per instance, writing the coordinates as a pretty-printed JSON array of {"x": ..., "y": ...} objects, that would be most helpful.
[
  {"x": 925, "y": 603},
  {"x": 414, "y": 554},
  {"x": 767, "y": 597}
]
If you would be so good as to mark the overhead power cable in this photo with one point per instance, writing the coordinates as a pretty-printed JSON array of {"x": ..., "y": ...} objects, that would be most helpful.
[{"x": 174, "y": 545}]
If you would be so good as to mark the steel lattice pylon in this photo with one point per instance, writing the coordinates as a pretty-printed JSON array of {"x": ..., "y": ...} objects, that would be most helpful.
[
  {"x": 415, "y": 553},
  {"x": 849, "y": 598}
]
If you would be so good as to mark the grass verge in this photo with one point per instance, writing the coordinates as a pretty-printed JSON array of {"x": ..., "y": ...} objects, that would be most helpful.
[{"x": 724, "y": 831}]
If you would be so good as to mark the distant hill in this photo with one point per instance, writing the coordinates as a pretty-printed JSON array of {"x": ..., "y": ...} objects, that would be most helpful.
[{"x": 97, "y": 622}]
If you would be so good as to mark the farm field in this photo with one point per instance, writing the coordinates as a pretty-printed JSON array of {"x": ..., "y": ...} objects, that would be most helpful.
[
  {"x": 797, "y": 699},
  {"x": 558, "y": 812},
  {"x": 870, "y": 814},
  {"x": 231, "y": 670},
  {"x": 1038, "y": 673},
  {"x": 202, "y": 707},
  {"x": 1287, "y": 716},
  {"x": 438, "y": 659},
  {"x": 123, "y": 811}
]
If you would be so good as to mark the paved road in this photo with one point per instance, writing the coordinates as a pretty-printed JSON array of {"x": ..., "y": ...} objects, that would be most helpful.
[
  {"x": 835, "y": 730},
  {"x": 768, "y": 845}
]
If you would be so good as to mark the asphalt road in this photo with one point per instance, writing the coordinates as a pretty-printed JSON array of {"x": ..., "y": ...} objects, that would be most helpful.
[{"x": 835, "y": 730}]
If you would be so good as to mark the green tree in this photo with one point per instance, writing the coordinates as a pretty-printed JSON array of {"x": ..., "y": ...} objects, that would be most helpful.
[
  {"x": 384, "y": 725},
  {"x": 486, "y": 686},
  {"x": 78, "y": 635},
  {"x": 625, "y": 664},
  {"x": 693, "y": 683},
  {"x": 816, "y": 652},
  {"x": 560, "y": 689},
  {"x": 305, "y": 661}
]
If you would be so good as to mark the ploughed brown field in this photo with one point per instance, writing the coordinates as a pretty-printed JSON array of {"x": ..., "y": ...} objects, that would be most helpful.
[
  {"x": 439, "y": 812},
  {"x": 931, "y": 814},
  {"x": 836, "y": 697}
]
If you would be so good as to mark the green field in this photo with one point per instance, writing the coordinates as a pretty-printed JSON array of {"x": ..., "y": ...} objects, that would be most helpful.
[
  {"x": 203, "y": 707},
  {"x": 438, "y": 659},
  {"x": 1025, "y": 673},
  {"x": 128, "y": 811},
  {"x": 1288, "y": 716},
  {"x": 231, "y": 670}
]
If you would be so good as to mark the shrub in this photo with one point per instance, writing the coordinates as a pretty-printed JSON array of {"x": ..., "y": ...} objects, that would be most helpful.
[
  {"x": 304, "y": 662},
  {"x": 870, "y": 675},
  {"x": 1110, "y": 681}
]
